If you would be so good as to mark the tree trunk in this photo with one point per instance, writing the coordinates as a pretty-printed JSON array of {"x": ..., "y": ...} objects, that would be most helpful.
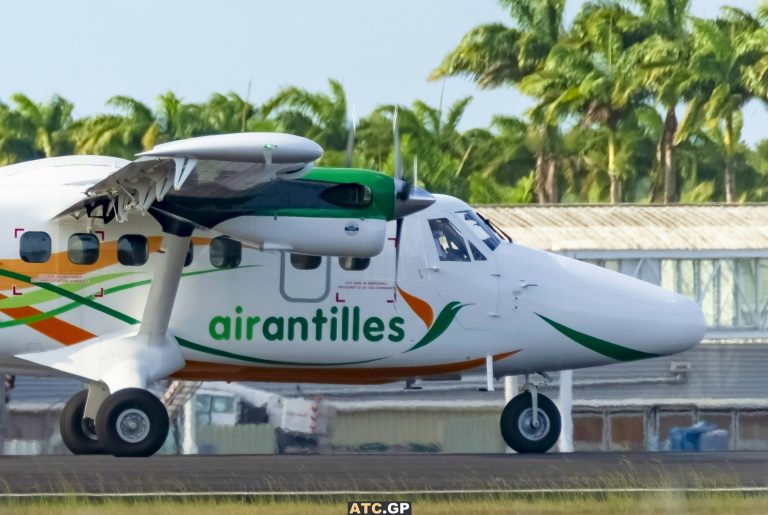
[
  {"x": 615, "y": 186},
  {"x": 539, "y": 178},
  {"x": 730, "y": 180},
  {"x": 668, "y": 156},
  {"x": 551, "y": 185}
]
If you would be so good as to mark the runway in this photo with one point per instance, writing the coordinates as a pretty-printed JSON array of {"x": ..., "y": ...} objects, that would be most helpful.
[{"x": 379, "y": 473}]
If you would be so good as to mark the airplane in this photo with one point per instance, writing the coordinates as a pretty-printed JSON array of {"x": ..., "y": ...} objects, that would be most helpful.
[{"x": 233, "y": 258}]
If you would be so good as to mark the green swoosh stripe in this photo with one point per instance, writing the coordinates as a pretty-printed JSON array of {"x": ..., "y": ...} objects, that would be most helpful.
[
  {"x": 441, "y": 324},
  {"x": 40, "y": 296},
  {"x": 250, "y": 359},
  {"x": 606, "y": 348},
  {"x": 63, "y": 292},
  {"x": 107, "y": 291}
]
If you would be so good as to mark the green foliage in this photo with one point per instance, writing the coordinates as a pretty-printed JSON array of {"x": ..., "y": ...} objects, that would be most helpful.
[{"x": 607, "y": 91}]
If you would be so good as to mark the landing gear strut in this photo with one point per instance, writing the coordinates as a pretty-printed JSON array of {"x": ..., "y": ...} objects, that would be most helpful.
[{"x": 530, "y": 421}]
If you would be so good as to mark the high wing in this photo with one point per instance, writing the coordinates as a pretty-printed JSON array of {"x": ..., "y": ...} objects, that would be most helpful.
[{"x": 221, "y": 166}]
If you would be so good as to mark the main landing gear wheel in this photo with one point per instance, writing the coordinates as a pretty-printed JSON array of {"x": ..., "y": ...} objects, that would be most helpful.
[
  {"x": 132, "y": 422},
  {"x": 524, "y": 434},
  {"x": 78, "y": 433}
]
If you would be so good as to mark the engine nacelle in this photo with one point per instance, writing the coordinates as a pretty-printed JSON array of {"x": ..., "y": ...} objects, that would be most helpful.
[{"x": 355, "y": 237}]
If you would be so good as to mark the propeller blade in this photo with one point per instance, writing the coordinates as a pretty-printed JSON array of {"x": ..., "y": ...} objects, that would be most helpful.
[
  {"x": 350, "y": 139},
  {"x": 398, "y": 233},
  {"x": 396, "y": 137}
]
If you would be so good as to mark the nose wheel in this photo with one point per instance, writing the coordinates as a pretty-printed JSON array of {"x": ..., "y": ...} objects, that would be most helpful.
[{"x": 530, "y": 423}]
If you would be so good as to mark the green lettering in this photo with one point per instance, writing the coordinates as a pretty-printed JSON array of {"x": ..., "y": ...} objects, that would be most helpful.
[
  {"x": 345, "y": 323},
  {"x": 238, "y": 323},
  {"x": 219, "y": 328},
  {"x": 397, "y": 334},
  {"x": 319, "y": 319},
  {"x": 356, "y": 324},
  {"x": 250, "y": 322},
  {"x": 334, "y": 323},
  {"x": 273, "y": 328},
  {"x": 373, "y": 328},
  {"x": 292, "y": 321}
]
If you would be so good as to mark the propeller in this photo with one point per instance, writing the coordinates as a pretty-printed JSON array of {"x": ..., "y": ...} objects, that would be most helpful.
[
  {"x": 350, "y": 138},
  {"x": 408, "y": 198}
]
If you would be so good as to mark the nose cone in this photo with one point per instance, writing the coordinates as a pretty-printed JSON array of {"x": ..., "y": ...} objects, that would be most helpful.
[
  {"x": 682, "y": 327},
  {"x": 614, "y": 315},
  {"x": 410, "y": 199}
]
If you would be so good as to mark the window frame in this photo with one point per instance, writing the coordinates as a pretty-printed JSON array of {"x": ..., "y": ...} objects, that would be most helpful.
[
  {"x": 442, "y": 253},
  {"x": 128, "y": 237},
  {"x": 83, "y": 236},
  {"x": 226, "y": 265},
  {"x": 353, "y": 259},
  {"x": 311, "y": 258},
  {"x": 26, "y": 235}
]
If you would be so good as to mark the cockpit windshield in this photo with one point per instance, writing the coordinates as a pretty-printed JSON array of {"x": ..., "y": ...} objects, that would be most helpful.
[{"x": 480, "y": 228}]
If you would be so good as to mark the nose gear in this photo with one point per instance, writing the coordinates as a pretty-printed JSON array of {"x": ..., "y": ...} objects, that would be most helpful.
[{"x": 530, "y": 422}]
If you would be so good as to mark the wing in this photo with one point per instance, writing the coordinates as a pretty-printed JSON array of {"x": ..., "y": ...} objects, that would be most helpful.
[{"x": 222, "y": 166}]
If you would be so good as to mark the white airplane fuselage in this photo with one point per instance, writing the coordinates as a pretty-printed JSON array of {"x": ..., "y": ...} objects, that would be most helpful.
[{"x": 268, "y": 320}]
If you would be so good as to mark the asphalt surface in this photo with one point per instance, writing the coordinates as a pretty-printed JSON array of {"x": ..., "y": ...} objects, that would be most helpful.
[{"x": 378, "y": 473}]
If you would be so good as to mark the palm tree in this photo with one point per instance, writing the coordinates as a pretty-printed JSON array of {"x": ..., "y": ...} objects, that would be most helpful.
[
  {"x": 662, "y": 60},
  {"x": 138, "y": 127},
  {"x": 431, "y": 140},
  {"x": 717, "y": 81},
  {"x": 502, "y": 162},
  {"x": 36, "y": 129},
  {"x": 588, "y": 76},
  {"x": 318, "y": 116},
  {"x": 229, "y": 113},
  {"x": 495, "y": 55}
]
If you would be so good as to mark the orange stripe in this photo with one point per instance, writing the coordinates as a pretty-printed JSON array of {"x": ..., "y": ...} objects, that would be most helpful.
[
  {"x": 420, "y": 307},
  {"x": 59, "y": 262},
  {"x": 53, "y": 328},
  {"x": 203, "y": 371},
  {"x": 59, "y": 330}
]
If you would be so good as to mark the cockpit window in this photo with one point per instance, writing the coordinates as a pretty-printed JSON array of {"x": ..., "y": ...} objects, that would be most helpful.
[
  {"x": 480, "y": 228},
  {"x": 448, "y": 241},
  {"x": 476, "y": 254}
]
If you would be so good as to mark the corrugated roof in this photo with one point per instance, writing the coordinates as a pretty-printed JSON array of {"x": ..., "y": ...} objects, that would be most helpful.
[{"x": 634, "y": 227}]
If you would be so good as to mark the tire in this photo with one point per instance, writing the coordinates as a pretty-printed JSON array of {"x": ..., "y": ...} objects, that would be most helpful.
[
  {"x": 132, "y": 422},
  {"x": 79, "y": 434},
  {"x": 516, "y": 428}
]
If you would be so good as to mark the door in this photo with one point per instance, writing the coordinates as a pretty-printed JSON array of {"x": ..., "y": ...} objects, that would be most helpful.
[
  {"x": 462, "y": 269},
  {"x": 304, "y": 278}
]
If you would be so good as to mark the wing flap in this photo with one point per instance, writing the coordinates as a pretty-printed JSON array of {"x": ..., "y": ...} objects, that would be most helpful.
[{"x": 220, "y": 166}]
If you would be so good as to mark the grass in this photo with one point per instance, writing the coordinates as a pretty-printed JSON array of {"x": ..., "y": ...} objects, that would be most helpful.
[{"x": 635, "y": 504}]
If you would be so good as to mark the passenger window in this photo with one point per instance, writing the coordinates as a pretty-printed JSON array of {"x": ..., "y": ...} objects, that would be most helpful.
[
  {"x": 190, "y": 254},
  {"x": 476, "y": 254},
  {"x": 354, "y": 263},
  {"x": 226, "y": 252},
  {"x": 448, "y": 241},
  {"x": 305, "y": 261},
  {"x": 83, "y": 248},
  {"x": 35, "y": 247},
  {"x": 132, "y": 250}
]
